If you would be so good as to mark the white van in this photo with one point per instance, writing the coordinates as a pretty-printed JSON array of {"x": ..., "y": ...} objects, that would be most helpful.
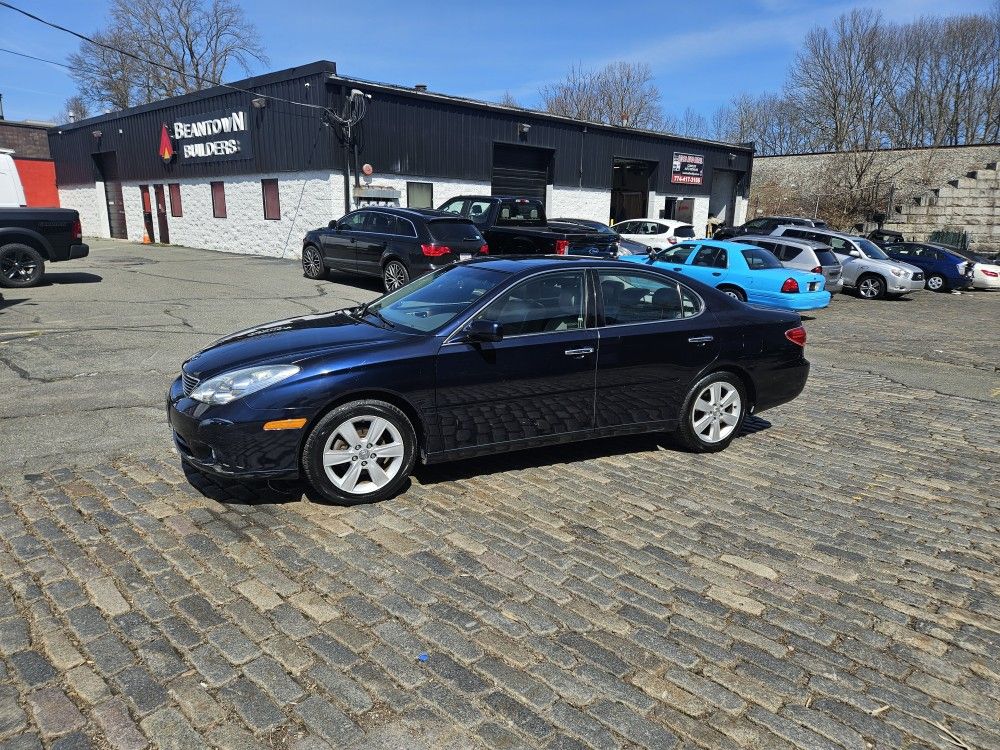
[{"x": 11, "y": 192}]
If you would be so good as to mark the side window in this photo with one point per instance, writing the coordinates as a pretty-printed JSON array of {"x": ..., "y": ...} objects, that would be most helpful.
[
  {"x": 624, "y": 227},
  {"x": 712, "y": 257},
  {"x": 354, "y": 221},
  {"x": 840, "y": 245},
  {"x": 454, "y": 206},
  {"x": 676, "y": 254},
  {"x": 404, "y": 228},
  {"x": 658, "y": 228},
  {"x": 635, "y": 298},
  {"x": 800, "y": 233},
  {"x": 755, "y": 224},
  {"x": 543, "y": 304},
  {"x": 479, "y": 211},
  {"x": 906, "y": 250},
  {"x": 381, "y": 223}
]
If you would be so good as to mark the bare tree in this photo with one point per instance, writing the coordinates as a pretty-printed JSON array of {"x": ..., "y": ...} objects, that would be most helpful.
[
  {"x": 508, "y": 100},
  {"x": 194, "y": 42},
  {"x": 621, "y": 93},
  {"x": 74, "y": 108}
]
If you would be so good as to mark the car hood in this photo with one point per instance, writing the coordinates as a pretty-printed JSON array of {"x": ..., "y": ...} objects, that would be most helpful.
[{"x": 290, "y": 341}]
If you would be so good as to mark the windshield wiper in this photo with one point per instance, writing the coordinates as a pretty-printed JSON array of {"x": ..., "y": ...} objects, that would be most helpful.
[{"x": 364, "y": 311}]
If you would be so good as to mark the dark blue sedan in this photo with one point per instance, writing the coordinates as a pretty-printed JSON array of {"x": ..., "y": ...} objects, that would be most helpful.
[
  {"x": 943, "y": 269},
  {"x": 480, "y": 357}
]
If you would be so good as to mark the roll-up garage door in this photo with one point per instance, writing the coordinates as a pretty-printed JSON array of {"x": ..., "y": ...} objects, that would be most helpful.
[{"x": 520, "y": 170}]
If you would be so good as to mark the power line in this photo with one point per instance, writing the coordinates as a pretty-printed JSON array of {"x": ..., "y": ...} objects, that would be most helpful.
[
  {"x": 32, "y": 57},
  {"x": 146, "y": 61}
]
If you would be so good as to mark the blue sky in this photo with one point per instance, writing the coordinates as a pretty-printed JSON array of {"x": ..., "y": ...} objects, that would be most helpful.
[{"x": 702, "y": 53}]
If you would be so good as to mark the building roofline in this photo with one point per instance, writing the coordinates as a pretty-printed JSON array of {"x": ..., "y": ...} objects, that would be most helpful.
[
  {"x": 299, "y": 71},
  {"x": 34, "y": 124},
  {"x": 330, "y": 68}
]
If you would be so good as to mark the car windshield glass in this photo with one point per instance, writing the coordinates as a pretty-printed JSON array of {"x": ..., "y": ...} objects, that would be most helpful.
[
  {"x": 758, "y": 259},
  {"x": 521, "y": 211},
  {"x": 870, "y": 249},
  {"x": 450, "y": 230},
  {"x": 684, "y": 231},
  {"x": 437, "y": 298}
]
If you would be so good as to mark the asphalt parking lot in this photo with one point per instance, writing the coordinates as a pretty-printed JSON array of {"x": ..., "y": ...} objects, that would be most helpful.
[{"x": 831, "y": 580}]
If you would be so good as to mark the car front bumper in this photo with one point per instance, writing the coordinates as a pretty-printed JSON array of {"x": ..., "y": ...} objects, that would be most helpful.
[
  {"x": 895, "y": 285},
  {"x": 230, "y": 440}
]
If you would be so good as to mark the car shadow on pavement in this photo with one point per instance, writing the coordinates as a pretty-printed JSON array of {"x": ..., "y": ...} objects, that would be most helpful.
[
  {"x": 562, "y": 454},
  {"x": 368, "y": 283},
  {"x": 243, "y": 491},
  {"x": 4, "y": 302},
  {"x": 70, "y": 277}
]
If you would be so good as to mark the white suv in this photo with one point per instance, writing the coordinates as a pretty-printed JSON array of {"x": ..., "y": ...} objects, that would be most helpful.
[{"x": 867, "y": 268}]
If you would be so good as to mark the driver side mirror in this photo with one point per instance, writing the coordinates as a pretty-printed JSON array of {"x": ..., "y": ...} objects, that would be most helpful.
[
  {"x": 479, "y": 331},
  {"x": 332, "y": 224},
  {"x": 854, "y": 253}
]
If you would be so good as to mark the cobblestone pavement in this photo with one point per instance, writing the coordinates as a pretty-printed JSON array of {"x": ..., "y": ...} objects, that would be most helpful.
[{"x": 830, "y": 581}]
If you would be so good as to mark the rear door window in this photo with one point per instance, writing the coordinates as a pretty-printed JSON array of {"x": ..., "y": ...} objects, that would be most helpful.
[
  {"x": 636, "y": 298},
  {"x": 711, "y": 257},
  {"x": 380, "y": 223}
]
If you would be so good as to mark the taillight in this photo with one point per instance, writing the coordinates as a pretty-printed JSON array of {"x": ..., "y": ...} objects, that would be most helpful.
[
  {"x": 562, "y": 247},
  {"x": 991, "y": 274},
  {"x": 77, "y": 230},
  {"x": 484, "y": 250},
  {"x": 433, "y": 251},
  {"x": 817, "y": 269},
  {"x": 791, "y": 286},
  {"x": 796, "y": 335},
  {"x": 672, "y": 240}
]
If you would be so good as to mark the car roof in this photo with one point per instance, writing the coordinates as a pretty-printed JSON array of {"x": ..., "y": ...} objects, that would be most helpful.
[
  {"x": 672, "y": 223},
  {"x": 723, "y": 244},
  {"x": 414, "y": 213},
  {"x": 519, "y": 264},
  {"x": 822, "y": 230},
  {"x": 799, "y": 241}
]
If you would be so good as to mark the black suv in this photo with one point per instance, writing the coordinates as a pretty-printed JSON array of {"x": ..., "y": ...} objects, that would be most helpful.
[
  {"x": 766, "y": 225},
  {"x": 397, "y": 244}
]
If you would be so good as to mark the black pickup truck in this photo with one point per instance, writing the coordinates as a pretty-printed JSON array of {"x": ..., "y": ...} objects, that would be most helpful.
[
  {"x": 517, "y": 226},
  {"x": 31, "y": 236}
]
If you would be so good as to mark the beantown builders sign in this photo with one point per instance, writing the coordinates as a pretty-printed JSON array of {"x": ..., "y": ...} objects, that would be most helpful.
[{"x": 217, "y": 136}]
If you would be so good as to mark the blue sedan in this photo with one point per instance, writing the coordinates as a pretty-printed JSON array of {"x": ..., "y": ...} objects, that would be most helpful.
[
  {"x": 744, "y": 272},
  {"x": 479, "y": 357},
  {"x": 943, "y": 269}
]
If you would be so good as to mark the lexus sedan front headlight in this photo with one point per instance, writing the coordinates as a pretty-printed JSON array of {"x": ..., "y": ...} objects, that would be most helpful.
[{"x": 230, "y": 386}]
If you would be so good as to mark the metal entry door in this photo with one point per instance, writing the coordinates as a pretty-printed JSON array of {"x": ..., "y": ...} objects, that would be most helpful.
[
  {"x": 107, "y": 166},
  {"x": 161, "y": 214}
]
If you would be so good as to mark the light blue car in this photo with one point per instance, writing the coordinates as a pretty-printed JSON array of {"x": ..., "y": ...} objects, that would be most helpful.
[{"x": 745, "y": 272}]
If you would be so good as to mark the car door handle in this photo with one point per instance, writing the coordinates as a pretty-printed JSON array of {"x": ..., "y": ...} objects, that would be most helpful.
[
  {"x": 700, "y": 339},
  {"x": 354, "y": 241},
  {"x": 716, "y": 273},
  {"x": 579, "y": 352},
  {"x": 677, "y": 268}
]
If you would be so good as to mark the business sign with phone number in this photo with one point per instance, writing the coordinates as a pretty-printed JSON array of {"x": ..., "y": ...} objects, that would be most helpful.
[{"x": 688, "y": 169}]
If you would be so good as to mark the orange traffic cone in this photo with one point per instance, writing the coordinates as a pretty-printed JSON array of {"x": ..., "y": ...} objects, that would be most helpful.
[{"x": 145, "y": 239}]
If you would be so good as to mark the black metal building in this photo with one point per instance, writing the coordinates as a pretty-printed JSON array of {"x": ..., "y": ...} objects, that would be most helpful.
[{"x": 406, "y": 132}]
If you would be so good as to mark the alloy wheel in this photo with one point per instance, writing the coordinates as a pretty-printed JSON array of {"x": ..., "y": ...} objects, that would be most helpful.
[
  {"x": 311, "y": 262},
  {"x": 716, "y": 412},
  {"x": 935, "y": 283},
  {"x": 17, "y": 265},
  {"x": 363, "y": 454},
  {"x": 395, "y": 276},
  {"x": 870, "y": 288}
]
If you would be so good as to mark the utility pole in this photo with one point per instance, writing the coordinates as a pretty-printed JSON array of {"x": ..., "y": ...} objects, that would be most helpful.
[{"x": 1, "y": 106}]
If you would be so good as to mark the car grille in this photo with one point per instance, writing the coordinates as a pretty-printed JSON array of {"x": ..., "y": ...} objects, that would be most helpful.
[
  {"x": 190, "y": 382},
  {"x": 918, "y": 277}
]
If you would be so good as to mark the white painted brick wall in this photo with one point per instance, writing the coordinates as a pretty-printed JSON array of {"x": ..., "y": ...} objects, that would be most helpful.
[
  {"x": 580, "y": 203},
  {"x": 307, "y": 200},
  {"x": 444, "y": 190},
  {"x": 87, "y": 201}
]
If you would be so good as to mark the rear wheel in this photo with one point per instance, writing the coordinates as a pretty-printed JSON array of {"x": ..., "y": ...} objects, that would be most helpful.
[
  {"x": 734, "y": 292},
  {"x": 312, "y": 262},
  {"x": 395, "y": 275},
  {"x": 936, "y": 283},
  {"x": 871, "y": 287},
  {"x": 361, "y": 452},
  {"x": 713, "y": 413},
  {"x": 20, "y": 266}
]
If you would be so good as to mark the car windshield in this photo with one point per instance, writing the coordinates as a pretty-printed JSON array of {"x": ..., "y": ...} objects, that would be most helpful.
[
  {"x": 759, "y": 259},
  {"x": 870, "y": 249},
  {"x": 436, "y": 299}
]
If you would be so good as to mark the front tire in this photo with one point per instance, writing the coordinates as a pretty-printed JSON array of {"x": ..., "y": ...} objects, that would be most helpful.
[
  {"x": 394, "y": 276},
  {"x": 713, "y": 413},
  {"x": 361, "y": 452},
  {"x": 21, "y": 266},
  {"x": 936, "y": 283},
  {"x": 313, "y": 266},
  {"x": 871, "y": 287}
]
